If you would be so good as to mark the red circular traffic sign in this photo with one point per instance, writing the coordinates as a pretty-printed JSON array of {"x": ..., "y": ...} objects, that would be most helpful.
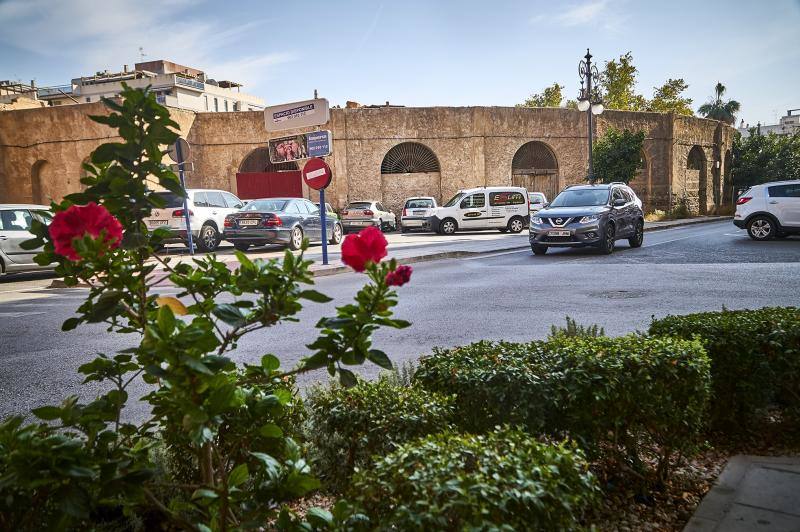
[{"x": 317, "y": 174}]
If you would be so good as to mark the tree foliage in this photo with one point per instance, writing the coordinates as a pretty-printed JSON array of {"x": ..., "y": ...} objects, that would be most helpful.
[
  {"x": 550, "y": 97},
  {"x": 617, "y": 155},
  {"x": 764, "y": 158},
  {"x": 719, "y": 109},
  {"x": 618, "y": 85},
  {"x": 667, "y": 98}
]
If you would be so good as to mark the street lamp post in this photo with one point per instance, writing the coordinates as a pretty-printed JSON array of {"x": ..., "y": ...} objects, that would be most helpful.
[{"x": 589, "y": 99}]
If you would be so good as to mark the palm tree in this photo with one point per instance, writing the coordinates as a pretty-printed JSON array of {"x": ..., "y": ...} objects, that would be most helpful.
[{"x": 719, "y": 109}]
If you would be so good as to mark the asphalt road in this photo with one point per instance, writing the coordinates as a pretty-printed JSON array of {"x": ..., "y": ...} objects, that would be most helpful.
[{"x": 506, "y": 296}]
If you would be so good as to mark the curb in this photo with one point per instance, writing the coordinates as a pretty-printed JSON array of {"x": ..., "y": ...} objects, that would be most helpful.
[{"x": 688, "y": 221}]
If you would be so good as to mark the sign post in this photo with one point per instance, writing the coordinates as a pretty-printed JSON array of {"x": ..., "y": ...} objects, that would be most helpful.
[
  {"x": 179, "y": 152},
  {"x": 317, "y": 175}
]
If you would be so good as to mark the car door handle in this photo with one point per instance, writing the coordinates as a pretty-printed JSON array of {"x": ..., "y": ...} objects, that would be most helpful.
[
  {"x": 213, "y": 212},
  {"x": 773, "y": 202}
]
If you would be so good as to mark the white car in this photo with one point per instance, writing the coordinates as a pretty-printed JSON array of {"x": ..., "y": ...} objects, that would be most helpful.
[
  {"x": 417, "y": 212},
  {"x": 207, "y": 212},
  {"x": 502, "y": 208},
  {"x": 770, "y": 210},
  {"x": 15, "y": 228},
  {"x": 360, "y": 214},
  {"x": 537, "y": 200}
]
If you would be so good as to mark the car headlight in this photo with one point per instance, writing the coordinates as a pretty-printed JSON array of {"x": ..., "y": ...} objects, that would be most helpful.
[
  {"x": 588, "y": 219},
  {"x": 536, "y": 220}
]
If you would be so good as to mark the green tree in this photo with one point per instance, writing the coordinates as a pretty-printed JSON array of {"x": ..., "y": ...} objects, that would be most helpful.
[
  {"x": 618, "y": 85},
  {"x": 719, "y": 109},
  {"x": 617, "y": 155},
  {"x": 667, "y": 98},
  {"x": 765, "y": 158},
  {"x": 550, "y": 97}
]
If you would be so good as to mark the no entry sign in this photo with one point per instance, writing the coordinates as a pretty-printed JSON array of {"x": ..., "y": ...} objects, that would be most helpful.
[{"x": 317, "y": 174}]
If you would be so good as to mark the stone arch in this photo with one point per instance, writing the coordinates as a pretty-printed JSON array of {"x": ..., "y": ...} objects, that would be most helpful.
[
  {"x": 409, "y": 169},
  {"x": 38, "y": 181},
  {"x": 697, "y": 176},
  {"x": 727, "y": 181},
  {"x": 258, "y": 177},
  {"x": 642, "y": 182},
  {"x": 535, "y": 167}
]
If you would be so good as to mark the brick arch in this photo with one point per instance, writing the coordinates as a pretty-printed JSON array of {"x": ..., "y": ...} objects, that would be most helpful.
[{"x": 535, "y": 167}]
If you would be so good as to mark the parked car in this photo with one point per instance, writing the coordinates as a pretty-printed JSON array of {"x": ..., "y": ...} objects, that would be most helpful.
[
  {"x": 503, "y": 208},
  {"x": 15, "y": 228},
  {"x": 417, "y": 212},
  {"x": 329, "y": 212},
  {"x": 284, "y": 221},
  {"x": 588, "y": 215},
  {"x": 207, "y": 211},
  {"x": 537, "y": 201},
  {"x": 771, "y": 210},
  {"x": 360, "y": 214}
]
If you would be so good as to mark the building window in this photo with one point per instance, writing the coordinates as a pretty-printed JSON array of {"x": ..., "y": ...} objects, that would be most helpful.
[
  {"x": 88, "y": 99},
  {"x": 216, "y": 106},
  {"x": 226, "y": 106},
  {"x": 206, "y": 99}
]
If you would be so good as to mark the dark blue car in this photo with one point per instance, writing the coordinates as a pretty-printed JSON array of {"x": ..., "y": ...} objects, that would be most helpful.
[{"x": 285, "y": 221}]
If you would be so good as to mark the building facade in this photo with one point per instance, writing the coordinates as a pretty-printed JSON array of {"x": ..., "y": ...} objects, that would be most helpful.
[
  {"x": 388, "y": 153},
  {"x": 787, "y": 125}
]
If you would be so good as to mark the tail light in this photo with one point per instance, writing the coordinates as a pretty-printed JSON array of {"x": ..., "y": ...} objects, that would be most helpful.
[
  {"x": 344, "y": 212},
  {"x": 368, "y": 212},
  {"x": 743, "y": 200},
  {"x": 228, "y": 222},
  {"x": 180, "y": 213},
  {"x": 274, "y": 221},
  {"x": 405, "y": 211}
]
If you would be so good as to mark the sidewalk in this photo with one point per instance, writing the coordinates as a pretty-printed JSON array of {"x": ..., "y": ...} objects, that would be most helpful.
[{"x": 753, "y": 493}]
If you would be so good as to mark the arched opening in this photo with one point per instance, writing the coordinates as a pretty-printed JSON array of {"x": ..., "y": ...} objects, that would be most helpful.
[
  {"x": 39, "y": 182},
  {"x": 535, "y": 168},
  {"x": 727, "y": 181},
  {"x": 419, "y": 174},
  {"x": 258, "y": 177},
  {"x": 697, "y": 177},
  {"x": 641, "y": 182}
]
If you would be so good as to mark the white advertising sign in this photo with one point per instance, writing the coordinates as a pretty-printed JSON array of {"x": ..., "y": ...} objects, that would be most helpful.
[{"x": 297, "y": 114}]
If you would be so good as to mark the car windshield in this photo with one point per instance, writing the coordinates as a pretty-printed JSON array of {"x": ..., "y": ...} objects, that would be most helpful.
[
  {"x": 266, "y": 205},
  {"x": 582, "y": 197},
  {"x": 455, "y": 199},
  {"x": 360, "y": 205},
  {"x": 172, "y": 200},
  {"x": 419, "y": 204}
]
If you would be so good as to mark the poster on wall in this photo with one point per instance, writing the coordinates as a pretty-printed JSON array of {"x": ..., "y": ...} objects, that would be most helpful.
[{"x": 297, "y": 147}]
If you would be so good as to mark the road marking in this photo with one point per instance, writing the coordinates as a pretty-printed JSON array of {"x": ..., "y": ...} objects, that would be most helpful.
[
  {"x": 20, "y": 295},
  {"x": 19, "y": 314}
]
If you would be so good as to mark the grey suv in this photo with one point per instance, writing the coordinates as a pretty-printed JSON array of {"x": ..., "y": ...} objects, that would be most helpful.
[{"x": 589, "y": 215}]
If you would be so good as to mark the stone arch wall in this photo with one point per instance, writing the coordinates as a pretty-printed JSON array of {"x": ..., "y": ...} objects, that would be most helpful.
[
  {"x": 424, "y": 177},
  {"x": 694, "y": 193},
  {"x": 642, "y": 183},
  {"x": 535, "y": 168},
  {"x": 39, "y": 172}
]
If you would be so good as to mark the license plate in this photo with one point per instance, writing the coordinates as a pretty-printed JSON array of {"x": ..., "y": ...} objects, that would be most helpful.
[
  {"x": 157, "y": 222},
  {"x": 248, "y": 222},
  {"x": 558, "y": 233},
  {"x": 418, "y": 213}
]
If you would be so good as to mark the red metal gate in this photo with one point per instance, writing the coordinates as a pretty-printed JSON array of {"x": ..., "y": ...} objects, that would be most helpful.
[{"x": 254, "y": 185}]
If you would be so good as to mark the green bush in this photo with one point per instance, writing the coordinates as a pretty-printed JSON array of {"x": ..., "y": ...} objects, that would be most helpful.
[
  {"x": 573, "y": 328},
  {"x": 624, "y": 397},
  {"x": 494, "y": 384},
  {"x": 348, "y": 426},
  {"x": 755, "y": 358},
  {"x": 501, "y": 480}
]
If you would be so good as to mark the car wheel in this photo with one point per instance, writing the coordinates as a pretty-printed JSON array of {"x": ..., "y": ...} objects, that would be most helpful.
[
  {"x": 638, "y": 237},
  {"x": 241, "y": 246},
  {"x": 516, "y": 224},
  {"x": 761, "y": 228},
  {"x": 403, "y": 230},
  {"x": 336, "y": 237},
  {"x": 538, "y": 249},
  {"x": 607, "y": 244},
  {"x": 448, "y": 226},
  {"x": 381, "y": 226},
  {"x": 209, "y": 238},
  {"x": 296, "y": 239}
]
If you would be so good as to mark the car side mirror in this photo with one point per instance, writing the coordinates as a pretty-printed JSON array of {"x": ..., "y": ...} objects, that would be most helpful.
[{"x": 619, "y": 202}]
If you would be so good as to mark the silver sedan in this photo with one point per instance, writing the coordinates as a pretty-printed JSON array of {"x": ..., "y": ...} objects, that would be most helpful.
[{"x": 15, "y": 228}]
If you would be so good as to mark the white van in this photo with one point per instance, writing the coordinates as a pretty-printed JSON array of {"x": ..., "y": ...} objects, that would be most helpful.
[{"x": 502, "y": 208}]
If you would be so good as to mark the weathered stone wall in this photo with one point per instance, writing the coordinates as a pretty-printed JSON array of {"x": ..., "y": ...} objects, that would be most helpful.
[{"x": 475, "y": 146}]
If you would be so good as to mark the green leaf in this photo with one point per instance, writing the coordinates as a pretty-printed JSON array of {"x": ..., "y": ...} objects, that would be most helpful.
[
  {"x": 347, "y": 378},
  {"x": 230, "y": 314},
  {"x": 271, "y": 430},
  {"x": 166, "y": 320},
  {"x": 70, "y": 324},
  {"x": 270, "y": 362},
  {"x": 133, "y": 240},
  {"x": 380, "y": 358},
  {"x": 47, "y": 413},
  {"x": 313, "y": 295},
  {"x": 319, "y": 518},
  {"x": 34, "y": 243},
  {"x": 204, "y": 493},
  {"x": 238, "y": 476}
]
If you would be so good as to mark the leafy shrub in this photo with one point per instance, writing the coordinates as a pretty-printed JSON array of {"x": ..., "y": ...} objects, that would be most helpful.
[
  {"x": 623, "y": 396},
  {"x": 494, "y": 384},
  {"x": 755, "y": 358},
  {"x": 348, "y": 426},
  {"x": 503, "y": 479},
  {"x": 573, "y": 328}
]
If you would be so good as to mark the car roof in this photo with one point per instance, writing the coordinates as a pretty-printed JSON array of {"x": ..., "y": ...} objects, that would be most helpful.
[
  {"x": 363, "y": 201},
  {"x": 491, "y": 189},
  {"x": 420, "y": 197},
  {"x": 279, "y": 199},
  {"x": 24, "y": 206},
  {"x": 771, "y": 183}
]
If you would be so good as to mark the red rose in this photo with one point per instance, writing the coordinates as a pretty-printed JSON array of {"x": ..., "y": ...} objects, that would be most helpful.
[
  {"x": 80, "y": 220},
  {"x": 400, "y": 276},
  {"x": 368, "y": 245}
]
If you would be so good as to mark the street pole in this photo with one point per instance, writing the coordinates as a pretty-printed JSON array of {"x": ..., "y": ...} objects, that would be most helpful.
[
  {"x": 185, "y": 198},
  {"x": 322, "y": 216},
  {"x": 589, "y": 100},
  {"x": 589, "y": 113}
]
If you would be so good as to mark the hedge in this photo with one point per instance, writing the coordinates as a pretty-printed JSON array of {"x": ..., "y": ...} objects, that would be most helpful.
[
  {"x": 624, "y": 396},
  {"x": 347, "y": 426},
  {"x": 500, "y": 480},
  {"x": 755, "y": 358}
]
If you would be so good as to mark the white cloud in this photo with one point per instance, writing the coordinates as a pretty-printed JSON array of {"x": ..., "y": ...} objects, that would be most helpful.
[{"x": 581, "y": 14}]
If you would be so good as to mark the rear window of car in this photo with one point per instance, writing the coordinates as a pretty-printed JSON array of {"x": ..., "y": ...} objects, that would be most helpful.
[
  {"x": 265, "y": 206},
  {"x": 360, "y": 205},
  {"x": 419, "y": 204},
  {"x": 172, "y": 200}
]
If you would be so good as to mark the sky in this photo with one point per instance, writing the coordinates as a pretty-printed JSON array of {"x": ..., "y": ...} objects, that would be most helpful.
[{"x": 418, "y": 53}]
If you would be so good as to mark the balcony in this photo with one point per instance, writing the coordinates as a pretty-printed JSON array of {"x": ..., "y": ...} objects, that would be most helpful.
[{"x": 189, "y": 82}]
